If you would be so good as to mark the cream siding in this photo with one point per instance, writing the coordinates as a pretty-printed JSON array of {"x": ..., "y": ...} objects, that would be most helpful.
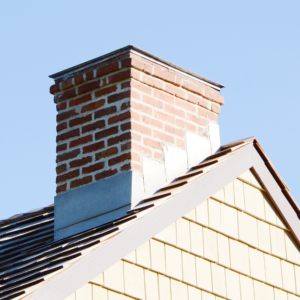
[{"x": 232, "y": 246}]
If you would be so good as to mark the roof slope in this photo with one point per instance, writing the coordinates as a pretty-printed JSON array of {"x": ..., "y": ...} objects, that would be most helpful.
[{"x": 32, "y": 262}]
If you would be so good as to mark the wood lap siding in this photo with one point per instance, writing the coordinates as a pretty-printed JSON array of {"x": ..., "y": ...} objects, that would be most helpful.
[{"x": 232, "y": 246}]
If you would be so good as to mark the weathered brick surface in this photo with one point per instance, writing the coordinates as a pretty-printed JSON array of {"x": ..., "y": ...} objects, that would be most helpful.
[{"x": 113, "y": 113}]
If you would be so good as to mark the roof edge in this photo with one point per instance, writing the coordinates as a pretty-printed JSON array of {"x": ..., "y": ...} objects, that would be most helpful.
[{"x": 136, "y": 50}]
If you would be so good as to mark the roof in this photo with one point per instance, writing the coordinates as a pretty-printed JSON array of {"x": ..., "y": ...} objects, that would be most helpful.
[
  {"x": 136, "y": 50},
  {"x": 32, "y": 264}
]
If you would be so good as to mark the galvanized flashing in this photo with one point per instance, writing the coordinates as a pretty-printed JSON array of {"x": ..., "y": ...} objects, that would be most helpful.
[{"x": 102, "y": 58}]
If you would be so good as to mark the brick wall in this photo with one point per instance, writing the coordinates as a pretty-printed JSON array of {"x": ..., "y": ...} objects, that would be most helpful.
[{"x": 115, "y": 112}]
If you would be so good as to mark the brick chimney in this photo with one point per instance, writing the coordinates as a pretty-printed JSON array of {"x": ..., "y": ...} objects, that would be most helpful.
[{"x": 128, "y": 123}]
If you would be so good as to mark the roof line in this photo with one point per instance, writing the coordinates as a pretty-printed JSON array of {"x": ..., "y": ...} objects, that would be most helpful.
[{"x": 136, "y": 50}]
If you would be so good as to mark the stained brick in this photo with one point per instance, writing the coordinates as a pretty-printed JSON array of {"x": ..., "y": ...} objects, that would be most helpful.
[
  {"x": 107, "y": 69},
  {"x": 93, "y": 126},
  {"x": 67, "y": 155},
  {"x": 80, "y": 182},
  {"x": 67, "y": 176},
  {"x": 106, "y": 153},
  {"x": 197, "y": 119},
  {"x": 80, "y": 162},
  {"x": 61, "y": 168},
  {"x": 66, "y": 115},
  {"x": 66, "y": 95},
  {"x": 93, "y": 147},
  {"x": 120, "y": 138},
  {"x": 61, "y": 127},
  {"x": 105, "y": 174},
  {"x": 81, "y": 100},
  {"x": 67, "y": 135},
  {"x": 119, "y": 159},
  {"x": 93, "y": 168},
  {"x": 105, "y": 91},
  {"x": 87, "y": 87},
  {"x": 105, "y": 111},
  {"x": 105, "y": 133},
  {"x": 81, "y": 141},
  {"x": 93, "y": 106},
  {"x": 117, "y": 97},
  {"x": 174, "y": 130}
]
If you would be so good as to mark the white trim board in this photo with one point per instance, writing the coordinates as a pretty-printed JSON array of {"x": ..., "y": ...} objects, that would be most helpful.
[{"x": 91, "y": 265}]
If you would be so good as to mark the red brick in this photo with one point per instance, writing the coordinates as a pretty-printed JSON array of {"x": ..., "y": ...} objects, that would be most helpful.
[
  {"x": 79, "y": 79},
  {"x": 117, "y": 97},
  {"x": 120, "y": 76},
  {"x": 119, "y": 118},
  {"x": 126, "y": 126},
  {"x": 164, "y": 96},
  {"x": 60, "y": 148},
  {"x": 149, "y": 121},
  {"x": 132, "y": 62},
  {"x": 61, "y": 168},
  {"x": 143, "y": 108},
  {"x": 54, "y": 88},
  {"x": 80, "y": 182},
  {"x": 185, "y": 105},
  {"x": 153, "y": 102},
  {"x": 164, "y": 117},
  {"x": 149, "y": 80},
  {"x": 66, "y": 84},
  {"x": 180, "y": 143},
  {"x": 213, "y": 117},
  {"x": 105, "y": 91},
  {"x": 79, "y": 121},
  {"x": 203, "y": 112},
  {"x": 193, "y": 88},
  {"x": 174, "y": 130},
  {"x": 104, "y": 112},
  {"x": 175, "y": 111},
  {"x": 118, "y": 139},
  {"x": 80, "y": 162},
  {"x": 197, "y": 99},
  {"x": 105, "y": 174},
  {"x": 87, "y": 87},
  {"x": 174, "y": 90},
  {"x": 67, "y": 176},
  {"x": 89, "y": 75},
  {"x": 106, "y": 153},
  {"x": 214, "y": 96},
  {"x": 107, "y": 69},
  {"x": 93, "y": 126},
  {"x": 196, "y": 119},
  {"x": 80, "y": 100},
  {"x": 216, "y": 108},
  {"x": 61, "y": 188},
  {"x": 67, "y": 155},
  {"x": 126, "y": 167},
  {"x": 93, "y": 106},
  {"x": 141, "y": 87},
  {"x": 139, "y": 148},
  {"x": 119, "y": 159},
  {"x": 61, "y": 106},
  {"x": 66, "y": 95},
  {"x": 125, "y": 105},
  {"x": 105, "y": 133},
  {"x": 136, "y": 137},
  {"x": 152, "y": 143},
  {"x": 61, "y": 127},
  {"x": 158, "y": 155},
  {"x": 140, "y": 128},
  {"x": 67, "y": 135},
  {"x": 81, "y": 141},
  {"x": 165, "y": 75},
  {"x": 93, "y": 147},
  {"x": 93, "y": 168},
  {"x": 66, "y": 115},
  {"x": 163, "y": 136},
  {"x": 186, "y": 125}
]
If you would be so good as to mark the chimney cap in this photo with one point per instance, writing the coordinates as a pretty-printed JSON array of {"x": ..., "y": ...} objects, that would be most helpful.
[{"x": 131, "y": 48}]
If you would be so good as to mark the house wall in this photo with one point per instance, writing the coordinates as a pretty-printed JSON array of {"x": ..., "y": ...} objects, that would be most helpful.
[{"x": 232, "y": 246}]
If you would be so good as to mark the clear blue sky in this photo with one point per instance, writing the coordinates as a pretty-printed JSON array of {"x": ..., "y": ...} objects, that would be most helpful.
[{"x": 252, "y": 47}]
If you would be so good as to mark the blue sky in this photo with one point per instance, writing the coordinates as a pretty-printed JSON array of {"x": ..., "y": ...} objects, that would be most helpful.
[{"x": 252, "y": 47}]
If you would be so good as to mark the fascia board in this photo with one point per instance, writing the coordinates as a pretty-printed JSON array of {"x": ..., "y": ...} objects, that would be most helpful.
[
  {"x": 275, "y": 193},
  {"x": 99, "y": 260}
]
